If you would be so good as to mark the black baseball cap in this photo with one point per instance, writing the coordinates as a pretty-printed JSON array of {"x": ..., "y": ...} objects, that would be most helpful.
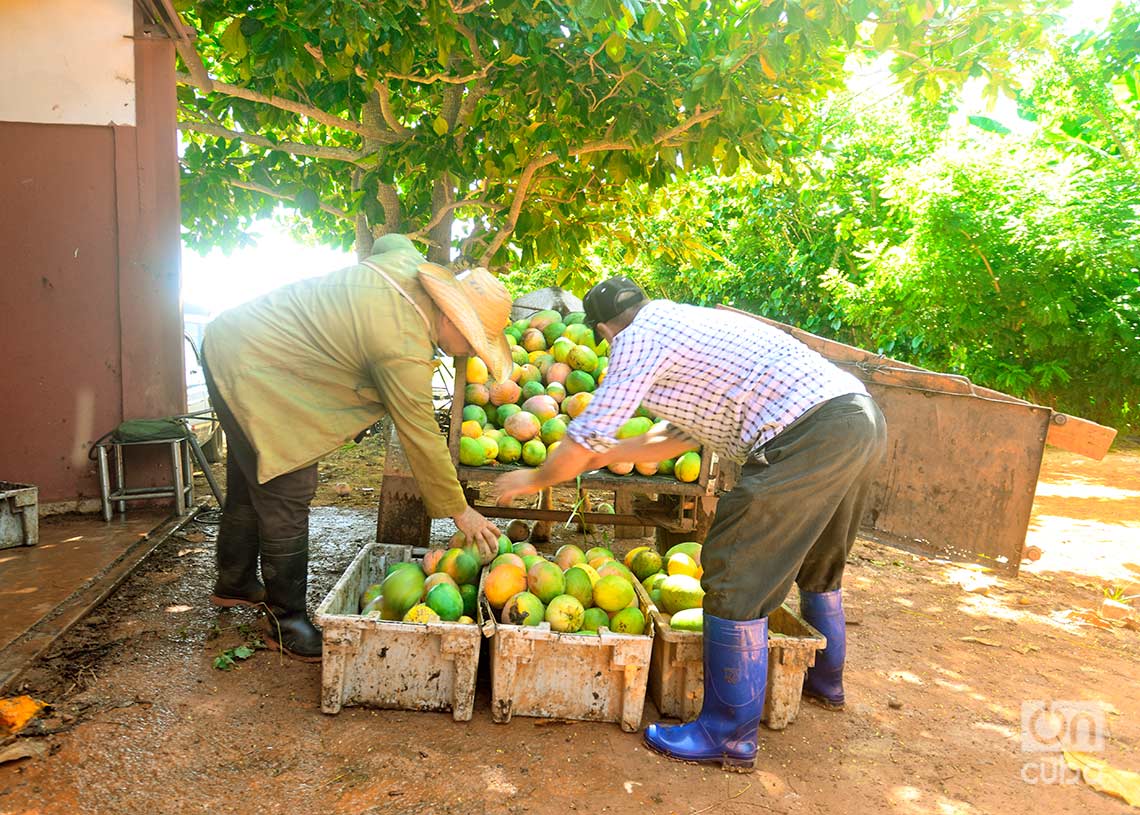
[{"x": 610, "y": 298}]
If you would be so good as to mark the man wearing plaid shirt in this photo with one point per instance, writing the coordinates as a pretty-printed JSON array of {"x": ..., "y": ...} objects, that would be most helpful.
[{"x": 809, "y": 438}]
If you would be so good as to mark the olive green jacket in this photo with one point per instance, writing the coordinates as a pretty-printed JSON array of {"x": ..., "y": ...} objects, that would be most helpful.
[{"x": 308, "y": 366}]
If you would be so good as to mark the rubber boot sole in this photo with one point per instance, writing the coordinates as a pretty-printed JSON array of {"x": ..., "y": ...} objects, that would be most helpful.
[
  {"x": 232, "y": 602},
  {"x": 273, "y": 645},
  {"x": 731, "y": 765},
  {"x": 825, "y": 703}
]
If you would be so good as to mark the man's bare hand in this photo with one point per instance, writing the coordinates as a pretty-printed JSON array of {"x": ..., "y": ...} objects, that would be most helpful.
[
  {"x": 479, "y": 530},
  {"x": 513, "y": 484}
]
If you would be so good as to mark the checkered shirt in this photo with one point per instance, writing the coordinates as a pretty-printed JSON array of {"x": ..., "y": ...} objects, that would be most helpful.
[{"x": 725, "y": 380}]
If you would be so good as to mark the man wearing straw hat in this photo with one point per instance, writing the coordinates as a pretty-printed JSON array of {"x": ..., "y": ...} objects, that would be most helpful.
[{"x": 298, "y": 372}]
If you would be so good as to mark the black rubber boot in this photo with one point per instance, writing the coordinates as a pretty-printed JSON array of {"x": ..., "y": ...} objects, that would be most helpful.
[
  {"x": 237, "y": 548},
  {"x": 285, "y": 567}
]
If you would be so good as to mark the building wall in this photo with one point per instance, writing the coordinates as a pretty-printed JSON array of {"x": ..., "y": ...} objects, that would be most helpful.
[
  {"x": 90, "y": 332},
  {"x": 67, "y": 61}
]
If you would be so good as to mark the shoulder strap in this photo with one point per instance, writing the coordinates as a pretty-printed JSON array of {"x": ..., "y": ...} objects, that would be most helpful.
[{"x": 404, "y": 294}]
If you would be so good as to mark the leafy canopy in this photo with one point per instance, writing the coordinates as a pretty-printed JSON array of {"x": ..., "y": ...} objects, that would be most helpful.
[{"x": 519, "y": 123}]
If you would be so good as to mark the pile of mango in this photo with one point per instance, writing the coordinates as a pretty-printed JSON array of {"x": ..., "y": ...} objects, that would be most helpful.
[
  {"x": 578, "y": 592},
  {"x": 441, "y": 588},
  {"x": 557, "y": 366},
  {"x": 673, "y": 582}
]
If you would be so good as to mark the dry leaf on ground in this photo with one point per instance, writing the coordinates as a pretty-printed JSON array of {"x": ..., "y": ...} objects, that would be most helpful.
[{"x": 1100, "y": 775}]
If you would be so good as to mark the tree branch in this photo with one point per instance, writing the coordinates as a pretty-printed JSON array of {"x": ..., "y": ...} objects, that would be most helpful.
[
  {"x": 389, "y": 114},
  {"x": 473, "y": 44},
  {"x": 468, "y": 8},
  {"x": 431, "y": 79},
  {"x": 978, "y": 252},
  {"x": 273, "y": 193},
  {"x": 594, "y": 147},
  {"x": 296, "y": 148},
  {"x": 624, "y": 76},
  {"x": 301, "y": 109},
  {"x": 466, "y": 202}
]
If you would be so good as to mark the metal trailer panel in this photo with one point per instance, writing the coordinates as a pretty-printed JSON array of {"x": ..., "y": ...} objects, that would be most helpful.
[
  {"x": 962, "y": 462},
  {"x": 960, "y": 475}
]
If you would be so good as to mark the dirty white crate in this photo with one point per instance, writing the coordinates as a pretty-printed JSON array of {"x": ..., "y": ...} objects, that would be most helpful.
[
  {"x": 396, "y": 665},
  {"x": 539, "y": 672},
  {"x": 677, "y": 674},
  {"x": 19, "y": 515}
]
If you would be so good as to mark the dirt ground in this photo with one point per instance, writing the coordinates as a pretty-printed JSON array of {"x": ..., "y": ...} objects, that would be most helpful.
[{"x": 941, "y": 659}]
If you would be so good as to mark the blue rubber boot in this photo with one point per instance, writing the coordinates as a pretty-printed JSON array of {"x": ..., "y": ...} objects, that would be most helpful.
[
  {"x": 736, "y": 676},
  {"x": 824, "y": 681}
]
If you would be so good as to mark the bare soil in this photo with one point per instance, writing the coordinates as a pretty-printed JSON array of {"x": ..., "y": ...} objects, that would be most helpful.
[{"x": 941, "y": 659}]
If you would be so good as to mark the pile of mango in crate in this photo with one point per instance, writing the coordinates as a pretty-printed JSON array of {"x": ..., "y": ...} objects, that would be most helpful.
[
  {"x": 443, "y": 587},
  {"x": 673, "y": 582}
]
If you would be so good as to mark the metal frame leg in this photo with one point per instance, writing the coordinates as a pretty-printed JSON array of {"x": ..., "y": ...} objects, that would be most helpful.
[
  {"x": 188, "y": 469},
  {"x": 176, "y": 466},
  {"x": 104, "y": 486},
  {"x": 119, "y": 477}
]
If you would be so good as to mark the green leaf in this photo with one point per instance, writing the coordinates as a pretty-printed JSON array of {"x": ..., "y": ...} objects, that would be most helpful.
[
  {"x": 233, "y": 41},
  {"x": 615, "y": 47},
  {"x": 652, "y": 19},
  {"x": 884, "y": 33},
  {"x": 405, "y": 60},
  {"x": 1132, "y": 82},
  {"x": 988, "y": 124},
  {"x": 767, "y": 15},
  {"x": 731, "y": 162},
  {"x": 223, "y": 661},
  {"x": 243, "y": 652},
  {"x": 858, "y": 10},
  {"x": 307, "y": 201},
  {"x": 439, "y": 125}
]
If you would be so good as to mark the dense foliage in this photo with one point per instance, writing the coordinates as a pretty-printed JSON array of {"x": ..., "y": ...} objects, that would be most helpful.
[
  {"x": 503, "y": 131},
  {"x": 945, "y": 242}
]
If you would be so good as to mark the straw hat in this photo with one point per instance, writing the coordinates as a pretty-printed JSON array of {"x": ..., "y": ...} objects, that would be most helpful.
[{"x": 480, "y": 307}]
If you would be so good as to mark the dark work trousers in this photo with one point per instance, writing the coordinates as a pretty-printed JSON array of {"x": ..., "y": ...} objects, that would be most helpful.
[
  {"x": 281, "y": 503},
  {"x": 796, "y": 511}
]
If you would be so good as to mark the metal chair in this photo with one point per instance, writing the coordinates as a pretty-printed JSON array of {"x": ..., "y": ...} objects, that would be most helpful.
[
  {"x": 181, "y": 490},
  {"x": 182, "y": 447}
]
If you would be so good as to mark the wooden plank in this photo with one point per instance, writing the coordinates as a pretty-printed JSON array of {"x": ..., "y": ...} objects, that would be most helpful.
[
  {"x": 623, "y": 505},
  {"x": 454, "y": 432},
  {"x": 1080, "y": 436},
  {"x": 558, "y": 515},
  {"x": 594, "y": 480}
]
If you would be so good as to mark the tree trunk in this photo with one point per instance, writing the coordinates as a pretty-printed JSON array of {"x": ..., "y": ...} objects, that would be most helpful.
[
  {"x": 440, "y": 249},
  {"x": 373, "y": 116},
  {"x": 364, "y": 239}
]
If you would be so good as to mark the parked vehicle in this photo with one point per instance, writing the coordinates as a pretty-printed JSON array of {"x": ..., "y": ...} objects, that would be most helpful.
[{"x": 202, "y": 420}]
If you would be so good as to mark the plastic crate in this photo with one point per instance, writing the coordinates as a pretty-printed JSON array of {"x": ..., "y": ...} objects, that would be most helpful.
[
  {"x": 394, "y": 665},
  {"x": 539, "y": 672},
  {"x": 19, "y": 515},
  {"x": 676, "y": 671}
]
